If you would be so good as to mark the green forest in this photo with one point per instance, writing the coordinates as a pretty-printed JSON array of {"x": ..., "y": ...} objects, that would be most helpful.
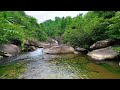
[
  {"x": 74, "y": 35},
  {"x": 78, "y": 31}
]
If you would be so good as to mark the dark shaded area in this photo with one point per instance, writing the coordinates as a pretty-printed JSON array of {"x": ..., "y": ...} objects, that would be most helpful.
[
  {"x": 16, "y": 42},
  {"x": 73, "y": 27}
]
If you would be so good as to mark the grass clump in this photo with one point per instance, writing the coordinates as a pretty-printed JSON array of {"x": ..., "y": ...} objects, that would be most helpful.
[{"x": 12, "y": 70}]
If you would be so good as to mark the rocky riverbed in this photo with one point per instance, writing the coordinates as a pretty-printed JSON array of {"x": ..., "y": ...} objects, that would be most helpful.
[{"x": 64, "y": 66}]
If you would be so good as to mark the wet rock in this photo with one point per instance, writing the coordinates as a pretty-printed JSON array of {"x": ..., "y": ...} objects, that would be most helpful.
[
  {"x": 81, "y": 49},
  {"x": 60, "y": 49},
  {"x": 32, "y": 48},
  {"x": 102, "y": 44},
  {"x": 103, "y": 54}
]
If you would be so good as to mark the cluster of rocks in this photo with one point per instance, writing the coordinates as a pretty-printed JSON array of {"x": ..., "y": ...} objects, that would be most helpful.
[
  {"x": 31, "y": 45},
  {"x": 102, "y": 50},
  {"x": 7, "y": 50}
]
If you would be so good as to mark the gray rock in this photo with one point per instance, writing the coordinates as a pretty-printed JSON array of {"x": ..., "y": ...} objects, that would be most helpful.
[
  {"x": 4, "y": 54},
  {"x": 9, "y": 49},
  {"x": 32, "y": 43},
  {"x": 60, "y": 49},
  {"x": 81, "y": 49},
  {"x": 76, "y": 52},
  {"x": 29, "y": 48},
  {"x": 104, "y": 53},
  {"x": 102, "y": 44},
  {"x": 52, "y": 41},
  {"x": 32, "y": 48},
  {"x": 7, "y": 55},
  {"x": 26, "y": 42}
]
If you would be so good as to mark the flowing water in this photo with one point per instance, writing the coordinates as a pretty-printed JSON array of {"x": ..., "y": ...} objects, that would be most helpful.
[{"x": 67, "y": 66}]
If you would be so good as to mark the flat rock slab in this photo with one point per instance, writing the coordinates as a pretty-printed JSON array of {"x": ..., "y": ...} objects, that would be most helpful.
[
  {"x": 60, "y": 49},
  {"x": 104, "y": 53}
]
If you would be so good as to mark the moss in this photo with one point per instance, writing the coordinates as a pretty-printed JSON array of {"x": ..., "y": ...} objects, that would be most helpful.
[
  {"x": 86, "y": 68},
  {"x": 111, "y": 68},
  {"x": 12, "y": 70}
]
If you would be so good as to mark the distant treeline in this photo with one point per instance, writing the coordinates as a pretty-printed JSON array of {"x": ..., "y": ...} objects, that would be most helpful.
[{"x": 82, "y": 30}]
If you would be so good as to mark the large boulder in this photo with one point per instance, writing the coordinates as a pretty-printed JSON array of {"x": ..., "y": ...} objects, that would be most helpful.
[
  {"x": 102, "y": 44},
  {"x": 103, "y": 54},
  {"x": 9, "y": 50},
  {"x": 60, "y": 49}
]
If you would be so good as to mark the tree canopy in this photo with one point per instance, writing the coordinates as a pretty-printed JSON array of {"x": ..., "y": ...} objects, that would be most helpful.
[
  {"x": 18, "y": 25},
  {"x": 82, "y": 30}
]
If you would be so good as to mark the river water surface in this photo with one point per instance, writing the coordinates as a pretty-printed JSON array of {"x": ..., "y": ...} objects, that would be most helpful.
[{"x": 67, "y": 66}]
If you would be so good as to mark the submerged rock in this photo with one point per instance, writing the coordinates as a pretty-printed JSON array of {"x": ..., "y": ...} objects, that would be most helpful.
[
  {"x": 60, "y": 49},
  {"x": 102, "y": 44},
  {"x": 104, "y": 53}
]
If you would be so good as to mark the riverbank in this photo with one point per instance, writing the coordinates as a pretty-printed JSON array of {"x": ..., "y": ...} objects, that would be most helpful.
[
  {"x": 12, "y": 70},
  {"x": 67, "y": 66},
  {"x": 86, "y": 68},
  {"x": 39, "y": 65}
]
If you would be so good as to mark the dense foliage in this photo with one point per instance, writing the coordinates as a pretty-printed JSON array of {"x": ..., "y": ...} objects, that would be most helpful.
[
  {"x": 82, "y": 30},
  {"x": 18, "y": 25}
]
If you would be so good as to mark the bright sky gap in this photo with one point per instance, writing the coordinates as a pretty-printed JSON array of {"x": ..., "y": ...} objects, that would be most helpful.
[{"x": 42, "y": 16}]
